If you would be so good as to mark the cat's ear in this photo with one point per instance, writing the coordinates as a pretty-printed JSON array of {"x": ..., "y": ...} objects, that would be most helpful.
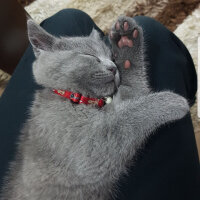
[
  {"x": 39, "y": 38},
  {"x": 95, "y": 34}
]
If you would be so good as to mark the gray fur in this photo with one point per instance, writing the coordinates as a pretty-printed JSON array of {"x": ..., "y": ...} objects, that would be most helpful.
[{"x": 78, "y": 152}]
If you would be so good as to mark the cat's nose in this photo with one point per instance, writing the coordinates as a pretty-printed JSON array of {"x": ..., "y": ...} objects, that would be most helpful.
[{"x": 112, "y": 69}]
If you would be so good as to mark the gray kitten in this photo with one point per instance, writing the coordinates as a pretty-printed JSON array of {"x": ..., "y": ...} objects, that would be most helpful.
[{"x": 75, "y": 151}]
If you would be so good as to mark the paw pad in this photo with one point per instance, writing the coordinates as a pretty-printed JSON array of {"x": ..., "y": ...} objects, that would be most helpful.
[
  {"x": 127, "y": 64},
  {"x": 135, "y": 33},
  {"x": 125, "y": 41},
  {"x": 126, "y": 26},
  {"x": 117, "y": 26}
]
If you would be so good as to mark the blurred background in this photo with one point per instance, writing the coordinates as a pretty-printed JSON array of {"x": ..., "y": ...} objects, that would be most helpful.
[{"x": 180, "y": 16}]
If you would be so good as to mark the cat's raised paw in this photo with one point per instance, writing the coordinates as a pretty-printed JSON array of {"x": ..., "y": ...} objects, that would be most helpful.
[
  {"x": 124, "y": 32},
  {"x": 126, "y": 38}
]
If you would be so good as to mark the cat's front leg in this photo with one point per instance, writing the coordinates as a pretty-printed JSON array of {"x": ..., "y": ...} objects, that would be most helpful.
[
  {"x": 130, "y": 126},
  {"x": 135, "y": 121},
  {"x": 142, "y": 117},
  {"x": 105, "y": 147},
  {"x": 127, "y": 41}
]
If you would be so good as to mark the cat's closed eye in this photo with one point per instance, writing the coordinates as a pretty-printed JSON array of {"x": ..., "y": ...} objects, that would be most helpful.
[{"x": 98, "y": 60}]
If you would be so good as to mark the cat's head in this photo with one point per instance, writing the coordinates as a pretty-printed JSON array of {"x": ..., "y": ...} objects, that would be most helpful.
[{"x": 79, "y": 64}]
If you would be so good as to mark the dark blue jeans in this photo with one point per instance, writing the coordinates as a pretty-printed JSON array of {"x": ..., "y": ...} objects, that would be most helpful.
[{"x": 167, "y": 168}]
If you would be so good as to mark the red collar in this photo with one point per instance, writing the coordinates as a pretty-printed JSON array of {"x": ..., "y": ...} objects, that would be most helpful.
[{"x": 79, "y": 99}]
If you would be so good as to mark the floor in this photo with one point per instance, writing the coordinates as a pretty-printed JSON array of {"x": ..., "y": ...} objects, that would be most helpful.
[
  {"x": 1, "y": 90},
  {"x": 198, "y": 143}
]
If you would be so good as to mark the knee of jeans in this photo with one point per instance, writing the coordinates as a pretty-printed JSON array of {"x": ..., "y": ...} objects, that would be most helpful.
[
  {"x": 72, "y": 12},
  {"x": 68, "y": 13},
  {"x": 145, "y": 19}
]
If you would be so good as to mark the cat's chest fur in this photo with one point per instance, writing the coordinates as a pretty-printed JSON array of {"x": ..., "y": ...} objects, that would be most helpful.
[
  {"x": 56, "y": 132},
  {"x": 58, "y": 112},
  {"x": 58, "y": 122}
]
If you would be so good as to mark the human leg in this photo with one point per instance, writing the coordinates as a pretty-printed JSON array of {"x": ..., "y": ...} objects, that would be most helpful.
[{"x": 168, "y": 166}]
